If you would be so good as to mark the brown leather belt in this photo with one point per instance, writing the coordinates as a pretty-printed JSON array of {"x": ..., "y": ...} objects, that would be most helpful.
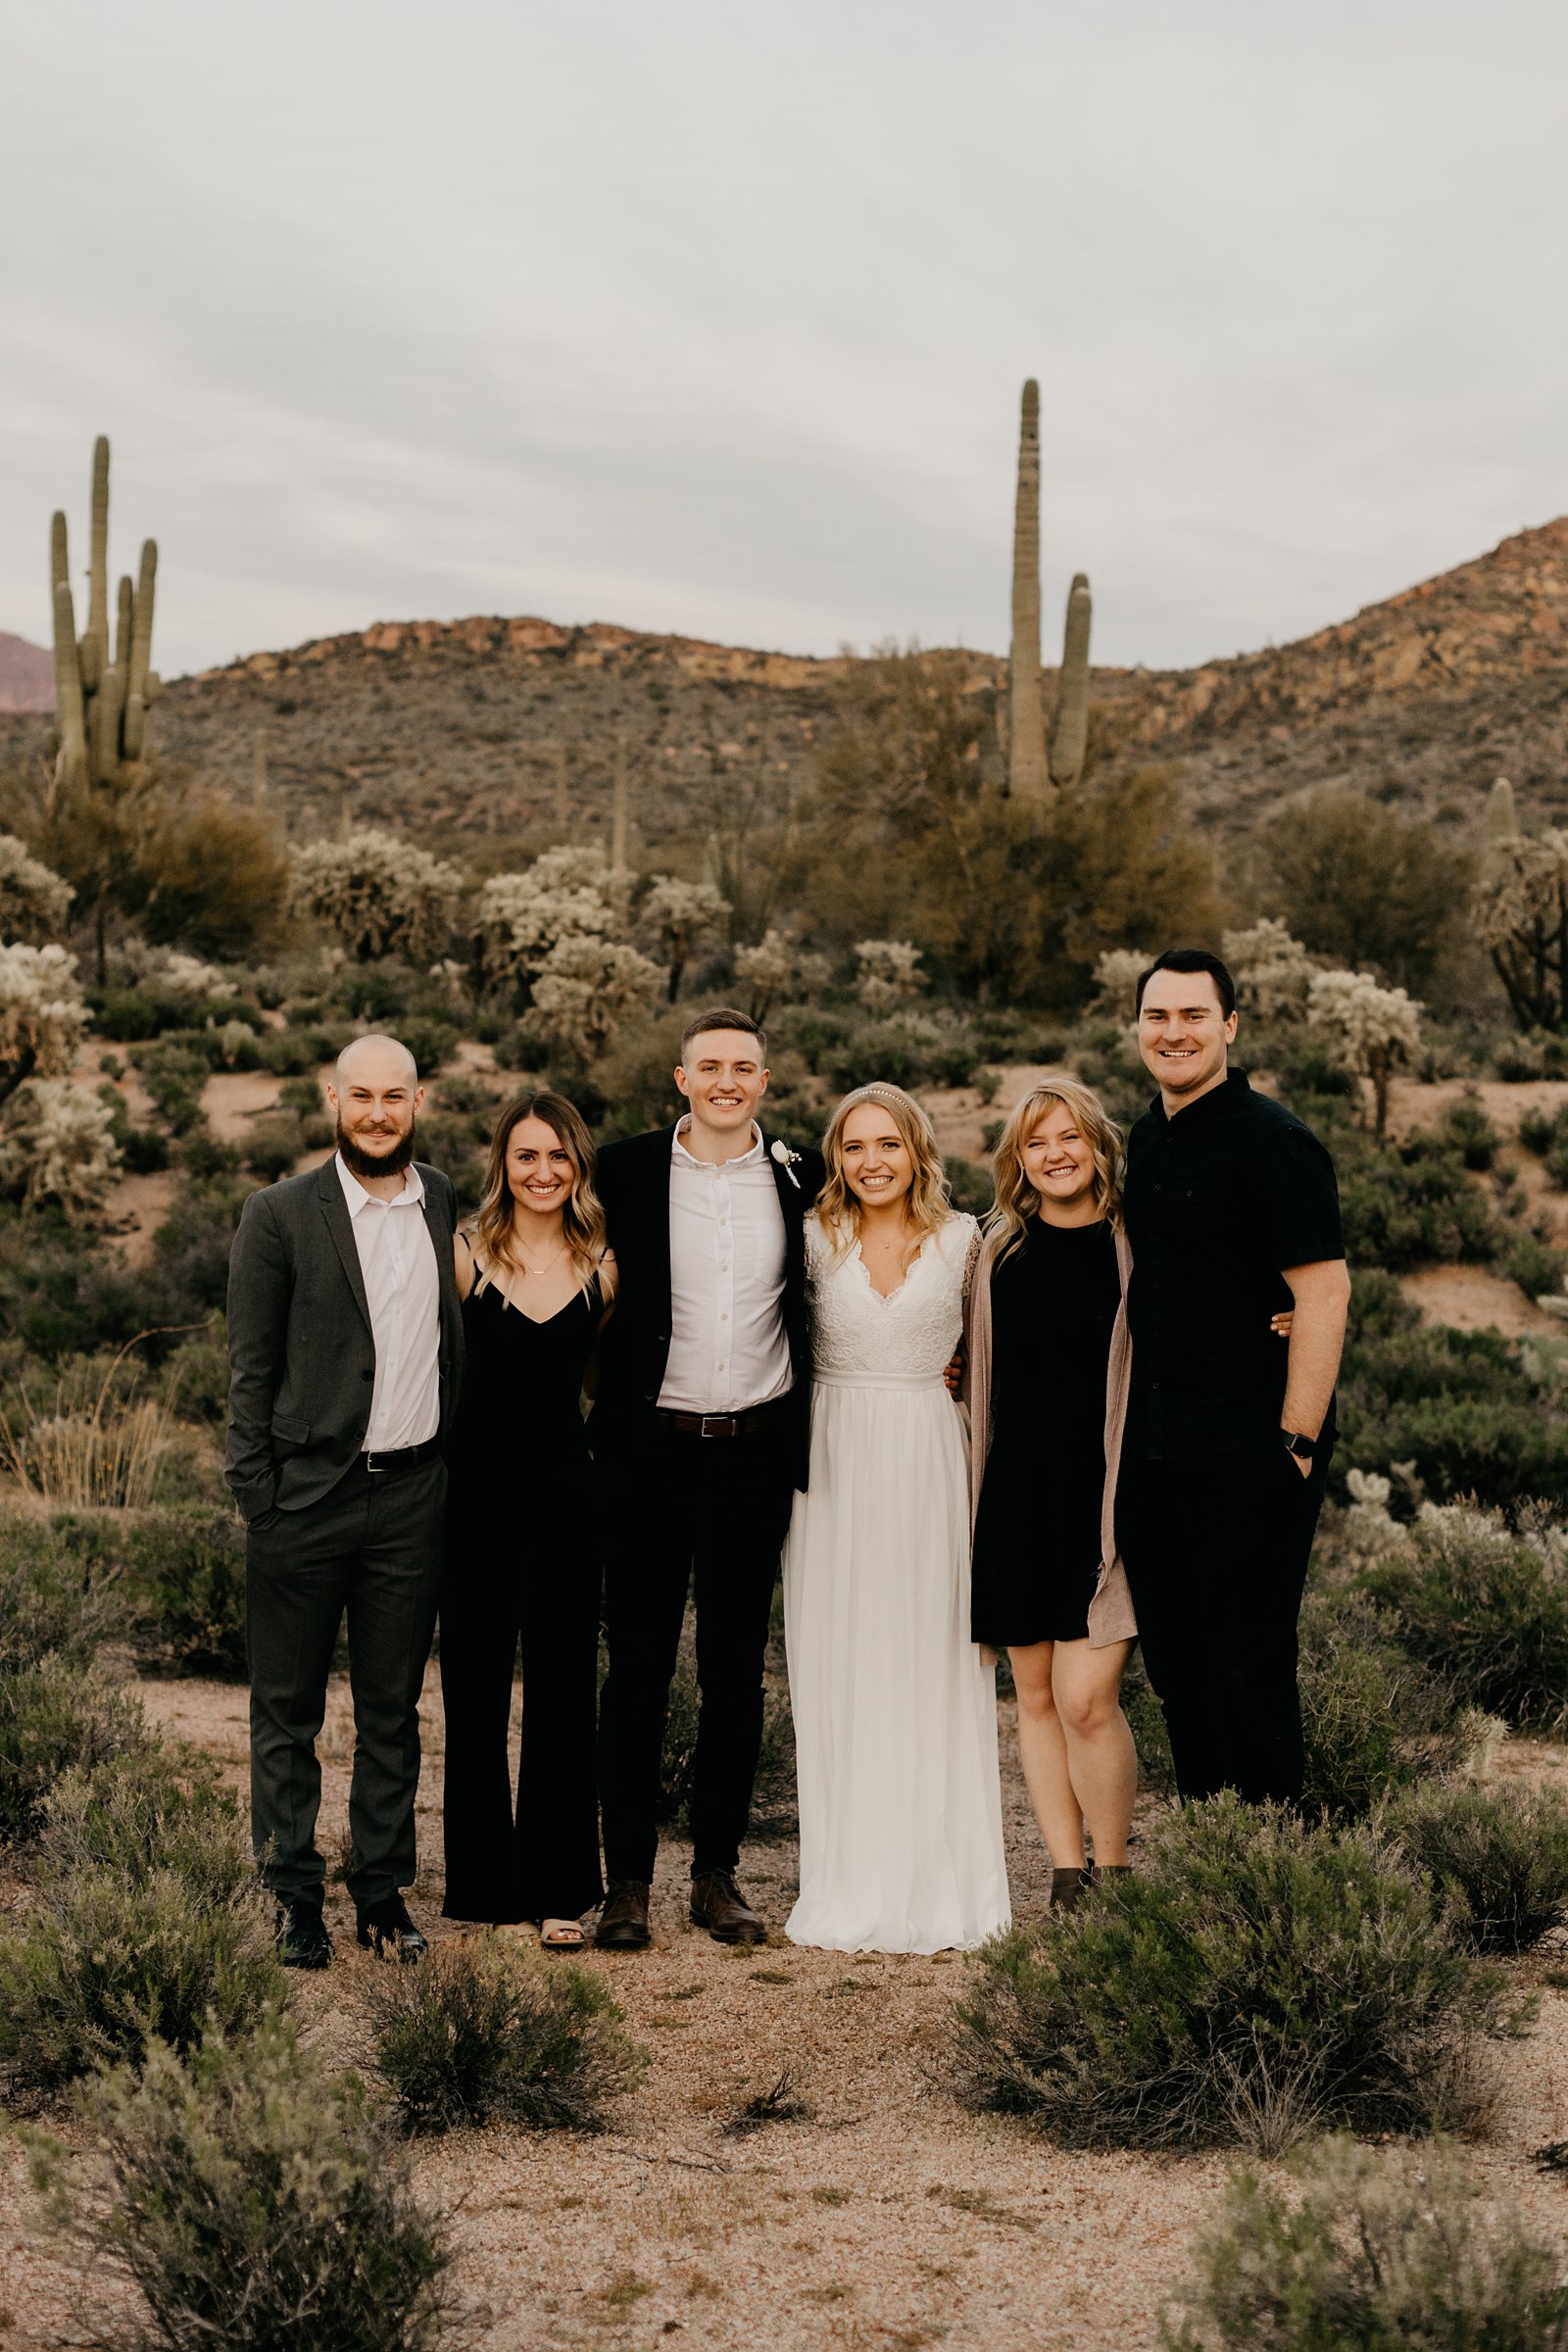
[
  {"x": 719, "y": 1425},
  {"x": 403, "y": 1457}
]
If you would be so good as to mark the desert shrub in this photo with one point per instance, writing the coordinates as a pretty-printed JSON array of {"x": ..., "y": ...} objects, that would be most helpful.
[
  {"x": 174, "y": 1072},
  {"x": 1466, "y": 1129},
  {"x": 130, "y": 1939},
  {"x": 1462, "y": 1407},
  {"x": 272, "y": 1146},
  {"x": 969, "y": 1185},
  {"x": 485, "y": 2029},
  {"x": 163, "y": 1800},
  {"x": 186, "y": 1573},
  {"x": 1496, "y": 1854},
  {"x": 1258, "y": 1978},
  {"x": 51, "y": 1605},
  {"x": 212, "y": 877},
  {"x": 1391, "y": 2250},
  {"x": 1485, "y": 1603},
  {"x": 1533, "y": 1264},
  {"x": 1408, "y": 1204},
  {"x": 56, "y": 1715},
  {"x": 300, "y": 1049},
  {"x": 255, "y": 2200},
  {"x": 92, "y": 1442}
]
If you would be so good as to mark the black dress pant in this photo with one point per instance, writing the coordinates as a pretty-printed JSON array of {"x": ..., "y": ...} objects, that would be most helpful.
[
  {"x": 525, "y": 1578},
  {"x": 372, "y": 1547},
  {"x": 681, "y": 1508},
  {"x": 1216, "y": 1553}
]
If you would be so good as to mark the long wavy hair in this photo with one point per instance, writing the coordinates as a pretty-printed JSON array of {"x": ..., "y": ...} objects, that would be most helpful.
[
  {"x": 492, "y": 1225},
  {"x": 926, "y": 1204},
  {"x": 1016, "y": 1199}
]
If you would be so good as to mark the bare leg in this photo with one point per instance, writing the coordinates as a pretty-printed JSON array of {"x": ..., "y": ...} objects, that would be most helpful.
[
  {"x": 1102, "y": 1760},
  {"x": 1043, "y": 1749}
]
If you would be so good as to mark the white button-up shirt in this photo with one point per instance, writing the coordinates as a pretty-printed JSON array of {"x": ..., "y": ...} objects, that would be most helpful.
[
  {"x": 403, "y": 1291},
  {"x": 728, "y": 1349}
]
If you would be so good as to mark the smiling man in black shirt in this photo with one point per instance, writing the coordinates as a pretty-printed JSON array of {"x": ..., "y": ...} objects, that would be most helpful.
[{"x": 1233, "y": 1217}]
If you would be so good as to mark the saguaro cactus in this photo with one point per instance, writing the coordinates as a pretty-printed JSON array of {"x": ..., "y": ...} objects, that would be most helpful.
[
  {"x": 1502, "y": 826},
  {"x": 1026, "y": 760},
  {"x": 101, "y": 705},
  {"x": 1070, "y": 739}
]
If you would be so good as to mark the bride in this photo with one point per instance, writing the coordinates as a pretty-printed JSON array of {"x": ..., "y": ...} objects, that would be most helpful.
[{"x": 894, "y": 1711}]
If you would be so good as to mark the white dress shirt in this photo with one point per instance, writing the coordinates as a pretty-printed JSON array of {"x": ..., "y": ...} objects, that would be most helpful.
[
  {"x": 728, "y": 1349},
  {"x": 403, "y": 1290}
]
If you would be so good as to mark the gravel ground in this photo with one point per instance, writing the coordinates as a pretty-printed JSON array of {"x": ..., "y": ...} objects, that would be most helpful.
[{"x": 888, "y": 2216}]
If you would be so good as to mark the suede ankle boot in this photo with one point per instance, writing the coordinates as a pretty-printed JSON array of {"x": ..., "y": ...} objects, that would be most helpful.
[{"x": 1068, "y": 1885}]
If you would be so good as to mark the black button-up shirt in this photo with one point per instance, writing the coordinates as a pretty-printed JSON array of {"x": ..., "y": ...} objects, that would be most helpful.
[{"x": 1219, "y": 1199}]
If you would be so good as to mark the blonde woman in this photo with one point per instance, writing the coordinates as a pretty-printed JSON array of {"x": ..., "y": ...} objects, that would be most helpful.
[
  {"x": 1046, "y": 1379},
  {"x": 522, "y": 1550},
  {"x": 894, "y": 1710}
]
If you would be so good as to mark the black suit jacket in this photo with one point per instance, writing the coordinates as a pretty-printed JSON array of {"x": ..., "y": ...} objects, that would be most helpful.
[
  {"x": 301, "y": 1357},
  {"x": 633, "y": 1180}
]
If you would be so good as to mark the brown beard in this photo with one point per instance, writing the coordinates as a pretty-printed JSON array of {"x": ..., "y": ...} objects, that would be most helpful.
[{"x": 374, "y": 1164}]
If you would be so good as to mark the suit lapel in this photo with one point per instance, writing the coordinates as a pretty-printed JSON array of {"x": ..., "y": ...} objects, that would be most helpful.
[{"x": 340, "y": 1225}]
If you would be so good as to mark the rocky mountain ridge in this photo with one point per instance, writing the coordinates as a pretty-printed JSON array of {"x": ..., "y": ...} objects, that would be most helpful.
[{"x": 508, "y": 725}]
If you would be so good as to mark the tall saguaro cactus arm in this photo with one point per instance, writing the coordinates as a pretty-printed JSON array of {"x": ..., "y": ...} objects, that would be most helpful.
[
  {"x": 1026, "y": 763},
  {"x": 70, "y": 710},
  {"x": 141, "y": 643},
  {"x": 1070, "y": 739},
  {"x": 98, "y": 572}
]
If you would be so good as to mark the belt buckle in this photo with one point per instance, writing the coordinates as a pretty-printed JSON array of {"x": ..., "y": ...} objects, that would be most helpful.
[
  {"x": 727, "y": 1432},
  {"x": 375, "y": 1465}
]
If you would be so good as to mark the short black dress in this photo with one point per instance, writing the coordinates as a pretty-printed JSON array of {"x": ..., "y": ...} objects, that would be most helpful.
[
  {"x": 1037, "y": 1547},
  {"x": 521, "y": 1576}
]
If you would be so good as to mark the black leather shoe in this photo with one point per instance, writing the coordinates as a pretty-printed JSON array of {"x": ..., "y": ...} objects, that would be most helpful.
[
  {"x": 623, "y": 1921},
  {"x": 388, "y": 1928},
  {"x": 719, "y": 1905},
  {"x": 1068, "y": 1887},
  {"x": 302, "y": 1938}
]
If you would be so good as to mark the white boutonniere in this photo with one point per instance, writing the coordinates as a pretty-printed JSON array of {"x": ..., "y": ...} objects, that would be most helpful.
[{"x": 786, "y": 1159}]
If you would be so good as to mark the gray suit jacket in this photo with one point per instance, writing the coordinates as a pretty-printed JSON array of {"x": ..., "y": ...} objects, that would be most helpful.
[{"x": 301, "y": 1358}]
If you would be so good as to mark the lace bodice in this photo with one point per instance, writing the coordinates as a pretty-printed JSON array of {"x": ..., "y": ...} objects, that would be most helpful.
[{"x": 914, "y": 1331}]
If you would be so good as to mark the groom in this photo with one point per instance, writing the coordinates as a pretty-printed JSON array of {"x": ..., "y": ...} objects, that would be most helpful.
[{"x": 701, "y": 1433}]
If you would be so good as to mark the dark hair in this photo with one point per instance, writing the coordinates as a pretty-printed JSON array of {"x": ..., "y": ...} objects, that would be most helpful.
[
  {"x": 1190, "y": 960},
  {"x": 724, "y": 1016}
]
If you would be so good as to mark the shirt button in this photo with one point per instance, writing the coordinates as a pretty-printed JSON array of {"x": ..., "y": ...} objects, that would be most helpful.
[{"x": 724, "y": 1317}]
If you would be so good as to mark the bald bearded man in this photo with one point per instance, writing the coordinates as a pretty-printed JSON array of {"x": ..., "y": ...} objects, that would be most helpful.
[{"x": 345, "y": 1342}]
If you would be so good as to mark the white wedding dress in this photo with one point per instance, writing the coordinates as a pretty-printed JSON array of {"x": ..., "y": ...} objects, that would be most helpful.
[{"x": 895, "y": 1714}]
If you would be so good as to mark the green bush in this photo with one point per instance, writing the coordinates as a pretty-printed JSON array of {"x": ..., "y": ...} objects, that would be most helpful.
[
  {"x": 1464, "y": 1407},
  {"x": 54, "y": 1716},
  {"x": 256, "y": 2201},
  {"x": 1464, "y": 1128},
  {"x": 1533, "y": 1264},
  {"x": 188, "y": 1573},
  {"x": 148, "y": 1923},
  {"x": 482, "y": 2029},
  {"x": 1406, "y": 1205},
  {"x": 1498, "y": 1855},
  {"x": 1258, "y": 1977},
  {"x": 1387, "y": 2251},
  {"x": 1485, "y": 1606},
  {"x": 51, "y": 1603},
  {"x": 173, "y": 1071}
]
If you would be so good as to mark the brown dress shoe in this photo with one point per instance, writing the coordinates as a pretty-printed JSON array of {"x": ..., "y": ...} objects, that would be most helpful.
[
  {"x": 719, "y": 1905},
  {"x": 1068, "y": 1887},
  {"x": 623, "y": 1921}
]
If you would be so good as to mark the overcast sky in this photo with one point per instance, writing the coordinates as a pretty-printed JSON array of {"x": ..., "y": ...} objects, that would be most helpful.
[{"x": 712, "y": 315}]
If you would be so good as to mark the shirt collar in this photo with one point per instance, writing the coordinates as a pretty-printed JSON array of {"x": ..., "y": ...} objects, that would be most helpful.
[
  {"x": 356, "y": 1197},
  {"x": 742, "y": 1159},
  {"x": 1217, "y": 1103}
]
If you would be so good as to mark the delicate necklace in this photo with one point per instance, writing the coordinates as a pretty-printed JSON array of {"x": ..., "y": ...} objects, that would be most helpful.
[{"x": 564, "y": 1252}]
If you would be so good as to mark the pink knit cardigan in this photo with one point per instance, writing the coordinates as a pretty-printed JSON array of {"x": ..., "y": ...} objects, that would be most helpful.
[{"x": 1110, "y": 1612}]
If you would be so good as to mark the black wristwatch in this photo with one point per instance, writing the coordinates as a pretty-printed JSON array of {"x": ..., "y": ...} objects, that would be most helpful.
[{"x": 1304, "y": 1449}]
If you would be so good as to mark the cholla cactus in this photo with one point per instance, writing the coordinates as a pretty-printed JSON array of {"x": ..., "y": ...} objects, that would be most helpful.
[
  {"x": 678, "y": 914},
  {"x": 778, "y": 970},
  {"x": 888, "y": 973},
  {"x": 34, "y": 903},
  {"x": 377, "y": 893},
  {"x": 1521, "y": 914},
  {"x": 1116, "y": 976},
  {"x": 187, "y": 977},
  {"x": 235, "y": 1038},
  {"x": 565, "y": 895},
  {"x": 1372, "y": 1030},
  {"x": 41, "y": 1014},
  {"x": 58, "y": 1145},
  {"x": 1272, "y": 971},
  {"x": 588, "y": 987}
]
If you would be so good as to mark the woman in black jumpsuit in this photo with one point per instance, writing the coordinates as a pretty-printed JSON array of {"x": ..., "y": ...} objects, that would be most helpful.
[{"x": 522, "y": 1561}]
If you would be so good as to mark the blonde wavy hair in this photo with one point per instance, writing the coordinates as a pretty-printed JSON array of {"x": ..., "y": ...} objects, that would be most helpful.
[
  {"x": 926, "y": 1204},
  {"x": 491, "y": 1229},
  {"x": 1016, "y": 1199}
]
